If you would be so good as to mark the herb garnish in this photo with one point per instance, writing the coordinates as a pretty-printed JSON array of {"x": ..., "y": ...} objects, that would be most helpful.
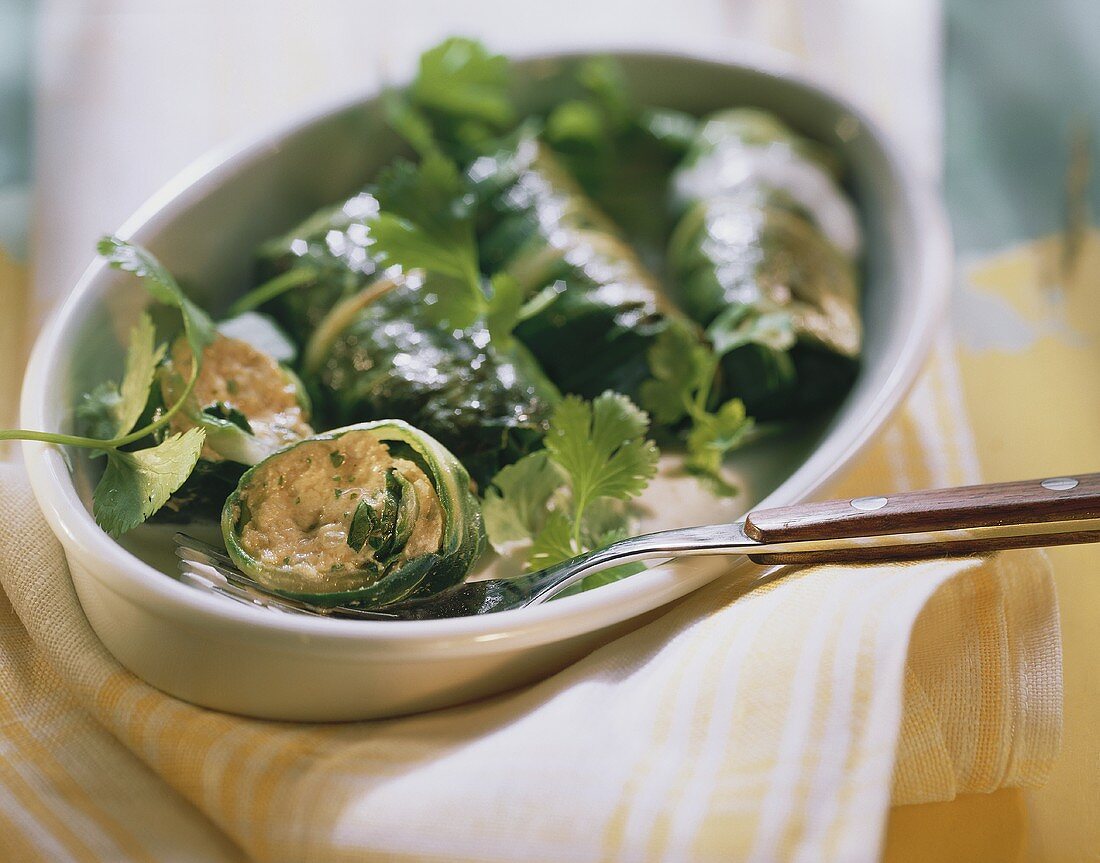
[
  {"x": 136, "y": 483},
  {"x": 569, "y": 498},
  {"x": 684, "y": 369}
]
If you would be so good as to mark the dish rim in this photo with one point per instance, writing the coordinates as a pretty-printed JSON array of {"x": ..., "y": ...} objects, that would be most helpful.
[{"x": 140, "y": 583}]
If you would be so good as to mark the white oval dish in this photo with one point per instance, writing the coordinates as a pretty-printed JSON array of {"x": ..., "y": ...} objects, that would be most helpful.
[{"x": 204, "y": 225}]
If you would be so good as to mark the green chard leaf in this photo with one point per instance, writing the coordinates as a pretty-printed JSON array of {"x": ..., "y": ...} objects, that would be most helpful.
[
  {"x": 137, "y": 484},
  {"x": 741, "y": 325}
]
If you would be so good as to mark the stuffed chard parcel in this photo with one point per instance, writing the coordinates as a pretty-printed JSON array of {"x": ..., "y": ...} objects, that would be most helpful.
[
  {"x": 763, "y": 256},
  {"x": 380, "y": 353},
  {"x": 247, "y": 402},
  {"x": 365, "y": 515},
  {"x": 308, "y": 270},
  {"x": 601, "y": 307}
]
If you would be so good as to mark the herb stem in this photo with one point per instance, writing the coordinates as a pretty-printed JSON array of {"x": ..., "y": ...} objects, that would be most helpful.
[
  {"x": 113, "y": 443},
  {"x": 163, "y": 419},
  {"x": 272, "y": 288},
  {"x": 53, "y": 437}
]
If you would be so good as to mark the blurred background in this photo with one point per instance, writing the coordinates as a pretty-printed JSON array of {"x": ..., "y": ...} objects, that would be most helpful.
[{"x": 103, "y": 101}]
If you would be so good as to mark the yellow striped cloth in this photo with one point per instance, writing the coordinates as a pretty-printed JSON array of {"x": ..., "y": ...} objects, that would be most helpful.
[{"x": 769, "y": 724}]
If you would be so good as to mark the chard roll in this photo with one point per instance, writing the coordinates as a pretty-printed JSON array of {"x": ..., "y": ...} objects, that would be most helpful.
[
  {"x": 249, "y": 404},
  {"x": 365, "y": 515},
  {"x": 603, "y": 308},
  {"x": 308, "y": 270},
  {"x": 763, "y": 256},
  {"x": 379, "y": 354}
]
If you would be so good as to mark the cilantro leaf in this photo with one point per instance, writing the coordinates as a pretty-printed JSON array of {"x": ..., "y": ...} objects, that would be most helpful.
[
  {"x": 97, "y": 411},
  {"x": 503, "y": 309},
  {"x": 602, "y": 448},
  {"x": 459, "y": 103},
  {"x": 682, "y": 367},
  {"x": 142, "y": 358},
  {"x": 410, "y": 123},
  {"x": 554, "y": 543},
  {"x": 131, "y": 258},
  {"x": 516, "y": 503},
  {"x": 426, "y": 223},
  {"x": 137, "y": 484},
  {"x": 604, "y": 576},
  {"x": 112, "y": 409},
  {"x": 712, "y": 436},
  {"x": 460, "y": 78},
  {"x": 570, "y": 497}
]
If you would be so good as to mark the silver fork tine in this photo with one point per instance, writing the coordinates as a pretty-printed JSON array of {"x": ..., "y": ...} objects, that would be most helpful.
[
  {"x": 193, "y": 575},
  {"x": 199, "y": 561}
]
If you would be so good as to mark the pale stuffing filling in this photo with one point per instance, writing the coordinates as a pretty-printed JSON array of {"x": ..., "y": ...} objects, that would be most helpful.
[
  {"x": 238, "y": 376},
  {"x": 298, "y": 508}
]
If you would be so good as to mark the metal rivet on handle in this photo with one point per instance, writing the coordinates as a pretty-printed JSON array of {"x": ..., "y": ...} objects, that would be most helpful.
[
  {"x": 1059, "y": 483},
  {"x": 869, "y": 504}
]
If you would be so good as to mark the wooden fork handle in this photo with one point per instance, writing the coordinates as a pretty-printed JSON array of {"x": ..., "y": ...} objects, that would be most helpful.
[
  {"x": 923, "y": 551},
  {"x": 1067, "y": 498}
]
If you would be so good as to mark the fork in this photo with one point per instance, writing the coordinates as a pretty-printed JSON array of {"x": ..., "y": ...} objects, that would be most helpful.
[{"x": 916, "y": 525}]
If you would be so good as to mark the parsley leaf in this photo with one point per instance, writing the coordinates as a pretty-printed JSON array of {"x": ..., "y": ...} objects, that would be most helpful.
[{"x": 137, "y": 484}]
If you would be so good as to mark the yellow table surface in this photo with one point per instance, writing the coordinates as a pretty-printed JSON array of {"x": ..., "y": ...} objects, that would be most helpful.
[{"x": 1034, "y": 407}]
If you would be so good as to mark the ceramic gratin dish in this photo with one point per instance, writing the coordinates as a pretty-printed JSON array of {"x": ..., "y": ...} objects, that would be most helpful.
[{"x": 204, "y": 225}]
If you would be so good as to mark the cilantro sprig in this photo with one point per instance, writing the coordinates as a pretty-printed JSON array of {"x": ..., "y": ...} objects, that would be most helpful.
[
  {"x": 571, "y": 496},
  {"x": 426, "y": 223},
  {"x": 684, "y": 368},
  {"x": 136, "y": 483},
  {"x": 461, "y": 99}
]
